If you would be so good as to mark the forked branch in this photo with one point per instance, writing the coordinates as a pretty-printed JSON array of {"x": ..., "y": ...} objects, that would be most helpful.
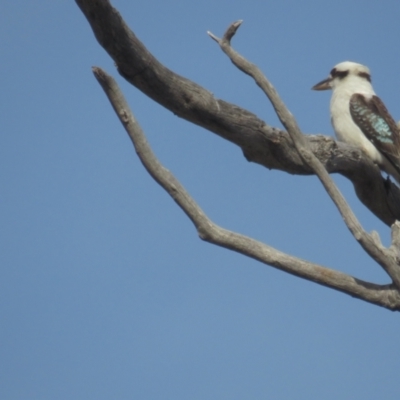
[
  {"x": 382, "y": 295},
  {"x": 260, "y": 143}
]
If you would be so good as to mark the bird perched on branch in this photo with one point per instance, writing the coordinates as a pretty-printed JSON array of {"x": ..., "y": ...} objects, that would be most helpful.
[{"x": 359, "y": 116}]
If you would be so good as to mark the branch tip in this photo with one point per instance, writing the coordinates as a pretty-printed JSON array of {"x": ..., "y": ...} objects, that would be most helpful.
[
  {"x": 99, "y": 74},
  {"x": 396, "y": 235},
  {"x": 212, "y": 36},
  {"x": 230, "y": 32},
  {"x": 376, "y": 238}
]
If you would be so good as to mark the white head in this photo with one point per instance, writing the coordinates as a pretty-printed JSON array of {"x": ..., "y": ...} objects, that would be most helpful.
[{"x": 346, "y": 73}]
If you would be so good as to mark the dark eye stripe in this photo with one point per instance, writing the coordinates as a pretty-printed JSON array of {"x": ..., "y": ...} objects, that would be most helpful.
[
  {"x": 365, "y": 75},
  {"x": 339, "y": 74}
]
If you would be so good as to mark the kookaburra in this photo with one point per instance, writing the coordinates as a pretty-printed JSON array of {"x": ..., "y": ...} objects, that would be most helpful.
[{"x": 359, "y": 116}]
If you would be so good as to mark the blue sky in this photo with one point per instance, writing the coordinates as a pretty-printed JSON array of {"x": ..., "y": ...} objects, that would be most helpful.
[{"x": 106, "y": 290}]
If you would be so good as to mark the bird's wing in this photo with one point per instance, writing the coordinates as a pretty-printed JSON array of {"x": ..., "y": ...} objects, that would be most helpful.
[{"x": 374, "y": 120}]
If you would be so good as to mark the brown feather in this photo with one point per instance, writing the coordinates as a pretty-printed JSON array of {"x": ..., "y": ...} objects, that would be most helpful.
[{"x": 387, "y": 141}]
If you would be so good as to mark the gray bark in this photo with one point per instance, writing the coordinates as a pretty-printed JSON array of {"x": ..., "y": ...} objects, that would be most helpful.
[{"x": 260, "y": 143}]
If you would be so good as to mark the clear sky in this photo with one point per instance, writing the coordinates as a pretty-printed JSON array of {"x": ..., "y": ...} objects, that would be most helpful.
[{"x": 106, "y": 291}]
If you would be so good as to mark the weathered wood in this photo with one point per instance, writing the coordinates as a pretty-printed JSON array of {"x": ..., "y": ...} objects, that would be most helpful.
[
  {"x": 382, "y": 295},
  {"x": 260, "y": 143}
]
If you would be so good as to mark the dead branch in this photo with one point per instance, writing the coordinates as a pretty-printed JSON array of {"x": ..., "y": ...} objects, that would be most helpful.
[
  {"x": 261, "y": 143},
  {"x": 382, "y": 295}
]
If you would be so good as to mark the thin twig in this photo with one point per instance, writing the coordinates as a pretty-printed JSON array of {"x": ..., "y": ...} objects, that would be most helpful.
[
  {"x": 384, "y": 257},
  {"x": 383, "y": 295}
]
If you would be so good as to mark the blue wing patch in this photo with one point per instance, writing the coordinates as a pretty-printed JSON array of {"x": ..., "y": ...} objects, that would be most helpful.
[
  {"x": 367, "y": 116},
  {"x": 374, "y": 120}
]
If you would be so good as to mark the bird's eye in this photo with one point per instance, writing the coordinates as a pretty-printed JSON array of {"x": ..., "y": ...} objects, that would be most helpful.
[{"x": 339, "y": 74}]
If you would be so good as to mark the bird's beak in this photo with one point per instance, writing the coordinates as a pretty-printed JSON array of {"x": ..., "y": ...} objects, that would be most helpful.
[{"x": 323, "y": 85}]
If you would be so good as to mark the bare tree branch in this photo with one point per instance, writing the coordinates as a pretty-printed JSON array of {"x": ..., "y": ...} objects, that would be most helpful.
[
  {"x": 261, "y": 143},
  {"x": 382, "y": 295},
  {"x": 387, "y": 258}
]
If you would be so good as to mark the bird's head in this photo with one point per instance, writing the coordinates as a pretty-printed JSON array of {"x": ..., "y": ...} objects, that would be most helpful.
[{"x": 345, "y": 73}]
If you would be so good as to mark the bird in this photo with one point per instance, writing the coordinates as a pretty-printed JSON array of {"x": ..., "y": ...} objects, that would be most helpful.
[{"x": 360, "y": 118}]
